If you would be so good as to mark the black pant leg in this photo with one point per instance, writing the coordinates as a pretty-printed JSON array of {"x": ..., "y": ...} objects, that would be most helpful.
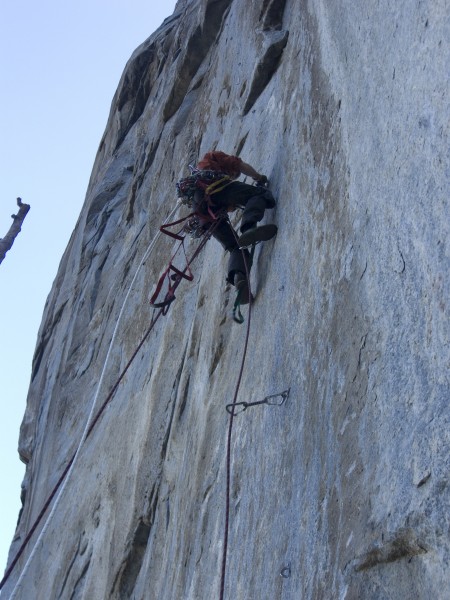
[
  {"x": 254, "y": 201},
  {"x": 224, "y": 234},
  {"x": 252, "y": 198},
  {"x": 237, "y": 263}
]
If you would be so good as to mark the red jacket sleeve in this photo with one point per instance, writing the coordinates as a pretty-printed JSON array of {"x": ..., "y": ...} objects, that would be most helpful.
[{"x": 219, "y": 161}]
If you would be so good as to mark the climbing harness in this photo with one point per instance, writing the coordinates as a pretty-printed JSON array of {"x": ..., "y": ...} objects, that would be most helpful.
[
  {"x": 273, "y": 400},
  {"x": 210, "y": 182}
]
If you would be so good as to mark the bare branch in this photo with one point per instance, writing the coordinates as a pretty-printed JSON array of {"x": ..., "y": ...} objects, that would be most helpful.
[{"x": 7, "y": 242}]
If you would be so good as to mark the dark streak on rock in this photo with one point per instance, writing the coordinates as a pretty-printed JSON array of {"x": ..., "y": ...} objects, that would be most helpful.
[
  {"x": 150, "y": 157},
  {"x": 196, "y": 51},
  {"x": 77, "y": 590},
  {"x": 266, "y": 69},
  {"x": 136, "y": 89},
  {"x": 241, "y": 144},
  {"x": 128, "y": 573},
  {"x": 97, "y": 279},
  {"x": 184, "y": 398},
  {"x": 272, "y": 14},
  {"x": 404, "y": 545},
  {"x": 48, "y": 330},
  {"x": 217, "y": 356}
]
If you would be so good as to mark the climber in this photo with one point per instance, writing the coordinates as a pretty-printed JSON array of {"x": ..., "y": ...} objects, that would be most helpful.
[{"x": 230, "y": 195}]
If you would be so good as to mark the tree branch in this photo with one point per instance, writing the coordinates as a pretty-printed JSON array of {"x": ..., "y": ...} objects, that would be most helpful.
[{"x": 7, "y": 242}]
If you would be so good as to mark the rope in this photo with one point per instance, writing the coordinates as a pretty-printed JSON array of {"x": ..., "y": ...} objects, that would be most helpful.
[
  {"x": 93, "y": 419},
  {"x": 87, "y": 430},
  {"x": 230, "y": 430}
]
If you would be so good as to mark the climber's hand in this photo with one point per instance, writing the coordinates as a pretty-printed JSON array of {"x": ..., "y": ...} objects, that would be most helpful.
[{"x": 261, "y": 180}]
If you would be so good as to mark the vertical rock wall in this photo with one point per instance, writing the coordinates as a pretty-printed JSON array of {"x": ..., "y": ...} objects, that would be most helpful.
[{"x": 344, "y": 489}]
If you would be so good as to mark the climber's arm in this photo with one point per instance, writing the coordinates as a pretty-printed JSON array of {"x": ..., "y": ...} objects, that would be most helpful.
[{"x": 247, "y": 169}]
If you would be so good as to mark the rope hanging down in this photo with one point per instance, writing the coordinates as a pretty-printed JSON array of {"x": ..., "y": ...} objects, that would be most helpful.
[
  {"x": 230, "y": 430},
  {"x": 233, "y": 409},
  {"x": 92, "y": 420}
]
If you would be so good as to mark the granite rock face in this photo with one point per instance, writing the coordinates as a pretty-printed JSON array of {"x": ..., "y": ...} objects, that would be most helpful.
[{"x": 342, "y": 492}]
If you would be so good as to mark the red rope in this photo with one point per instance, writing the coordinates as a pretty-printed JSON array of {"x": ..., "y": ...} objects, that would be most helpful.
[
  {"x": 69, "y": 464},
  {"x": 230, "y": 430},
  {"x": 162, "y": 311}
]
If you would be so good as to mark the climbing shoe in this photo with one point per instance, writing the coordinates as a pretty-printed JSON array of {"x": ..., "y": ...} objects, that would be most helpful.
[
  {"x": 241, "y": 284},
  {"x": 257, "y": 234}
]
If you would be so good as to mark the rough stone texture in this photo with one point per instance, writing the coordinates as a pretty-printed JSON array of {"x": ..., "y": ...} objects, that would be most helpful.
[{"x": 345, "y": 108}]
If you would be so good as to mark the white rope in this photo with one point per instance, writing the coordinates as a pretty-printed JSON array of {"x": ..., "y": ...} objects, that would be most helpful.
[{"x": 94, "y": 402}]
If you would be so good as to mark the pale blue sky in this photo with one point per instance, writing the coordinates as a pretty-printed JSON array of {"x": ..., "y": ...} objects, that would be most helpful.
[{"x": 60, "y": 64}]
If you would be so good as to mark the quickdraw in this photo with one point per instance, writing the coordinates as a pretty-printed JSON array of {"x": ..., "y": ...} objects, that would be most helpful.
[{"x": 272, "y": 400}]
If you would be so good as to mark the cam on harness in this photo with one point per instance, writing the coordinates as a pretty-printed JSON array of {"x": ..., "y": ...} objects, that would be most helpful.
[{"x": 210, "y": 182}]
